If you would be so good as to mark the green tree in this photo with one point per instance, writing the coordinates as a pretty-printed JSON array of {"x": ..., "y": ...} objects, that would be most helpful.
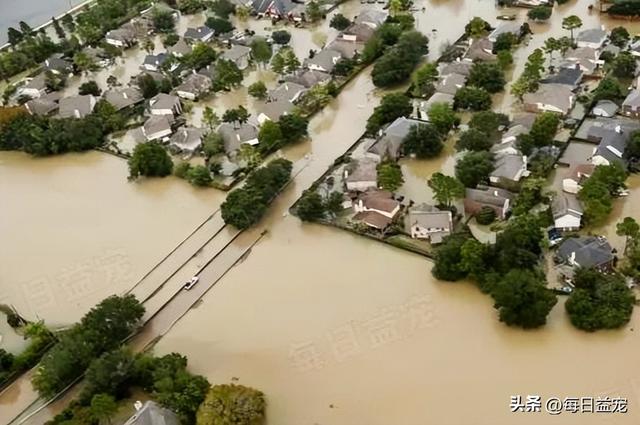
[
  {"x": 390, "y": 176},
  {"x": 442, "y": 117},
  {"x": 84, "y": 62},
  {"x": 293, "y": 127},
  {"x": 58, "y": 28},
  {"x": 339, "y": 22},
  {"x": 281, "y": 37},
  {"x": 488, "y": 76},
  {"x": 609, "y": 88},
  {"x": 261, "y": 50},
  {"x": 488, "y": 122},
  {"x": 25, "y": 29},
  {"x": 310, "y": 206},
  {"x": 258, "y": 90},
  {"x": 228, "y": 75},
  {"x": 222, "y": 8},
  {"x": 219, "y": 25},
  {"x": 68, "y": 22},
  {"x": 232, "y": 405},
  {"x": 633, "y": 146},
  {"x": 199, "y": 175},
  {"x": 540, "y": 13},
  {"x": 472, "y": 98},
  {"x": 630, "y": 229},
  {"x": 90, "y": 87},
  {"x": 103, "y": 407},
  {"x": 551, "y": 45},
  {"x": 200, "y": 56},
  {"x": 14, "y": 36},
  {"x": 163, "y": 21},
  {"x": 505, "y": 59},
  {"x": 423, "y": 141},
  {"x": 238, "y": 115},
  {"x": 270, "y": 136},
  {"x": 619, "y": 37},
  {"x": 477, "y": 27},
  {"x": 624, "y": 65},
  {"x": 474, "y": 140},
  {"x": 599, "y": 301},
  {"x": 505, "y": 41},
  {"x": 181, "y": 169},
  {"x": 109, "y": 374},
  {"x": 313, "y": 11},
  {"x": 333, "y": 203},
  {"x": 445, "y": 188},
  {"x": 210, "y": 118},
  {"x": 571, "y": 23},
  {"x": 392, "y": 106},
  {"x": 150, "y": 160},
  {"x": 147, "y": 86},
  {"x": 448, "y": 258},
  {"x": 423, "y": 80},
  {"x": 522, "y": 299},
  {"x": 486, "y": 216},
  {"x": 474, "y": 168},
  {"x": 243, "y": 13},
  {"x": 473, "y": 258}
]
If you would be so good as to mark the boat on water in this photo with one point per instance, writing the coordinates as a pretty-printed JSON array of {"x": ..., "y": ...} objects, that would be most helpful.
[{"x": 507, "y": 17}]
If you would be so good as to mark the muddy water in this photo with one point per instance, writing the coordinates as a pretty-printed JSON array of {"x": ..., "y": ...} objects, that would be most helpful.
[{"x": 75, "y": 231}]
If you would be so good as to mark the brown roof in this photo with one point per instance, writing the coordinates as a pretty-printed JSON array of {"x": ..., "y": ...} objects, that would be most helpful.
[
  {"x": 582, "y": 170},
  {"x": 379, "y": 200},
  {"x": 373, "y": 219}
]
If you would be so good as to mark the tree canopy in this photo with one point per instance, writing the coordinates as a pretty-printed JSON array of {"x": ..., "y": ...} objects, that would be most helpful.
[
  {"x": 474, "y": 168},
  {"x": 423, "y": 141},
  {"x": 392, "y": 106},
  {"x": 232, "y": 405}
]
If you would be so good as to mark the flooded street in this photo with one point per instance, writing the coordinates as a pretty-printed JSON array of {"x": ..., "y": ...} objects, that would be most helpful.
[
  {"x": 80, "y": 231},
  {"x": 333, "y": 328}
]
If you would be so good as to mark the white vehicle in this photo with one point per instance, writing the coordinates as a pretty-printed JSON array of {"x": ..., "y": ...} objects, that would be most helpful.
[{"x": 191, "y": 283}]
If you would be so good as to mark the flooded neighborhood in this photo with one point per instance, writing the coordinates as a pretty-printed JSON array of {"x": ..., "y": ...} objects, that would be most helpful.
[{"x": 347, "y": 212}]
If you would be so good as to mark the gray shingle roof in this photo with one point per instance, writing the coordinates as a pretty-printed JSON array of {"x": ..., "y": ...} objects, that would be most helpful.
[
  {"x": 199, "y": 33},
  {"x": 76, "y": 106},
  {"x": 364, "y": 169},
  {"x": 44, "y": 105},
  {"x": 274, "y": 110},
  {"x": 590, "y": 251},
  {"x": 153, "y": 414},
  {"x": 123, "y": 98},
  {"x": 156, "y": 60},
  {"x": 196, "y": 84},
  {"x": 508, "y": 166},
  {"x": 308, "y": 78},
  {"x": 594, "y": 35},
  {"x": 565, "y": 203},
  {"x": 163, "y": 101},
  {"x": 371, "y": 17},
  {"x": 157, "y": 123},
  {"x": 557, "y": 95},
  {"x": 325, "y": 58},
  {"x": 288, "y": 91},
  {"x": 567, "y": 76},
  {"x": 488, "y": 195},
  {"x": 236, "y": 52},
  {"x": 187, "y": 139},
  {"x": 180, "y": 48},
  {"x": 393, "y": 136},
  {"x": 451, "y": 83},
  {"x": 282, "y": 7},
  {"x": 632, "y": 100},
  {"x": 234, "y": 137}
]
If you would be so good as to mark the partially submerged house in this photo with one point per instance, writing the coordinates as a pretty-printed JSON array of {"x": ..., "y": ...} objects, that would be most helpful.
[
  {"x": 165, "y": 104},
  {"x": 180, "y": 49},
  {"x": 357, "y": 33},
  {"x": 556, "y": 98},
  {"x": 325, "y": 60},
  {"x": 187, "y": 140},
  {"x": 308, "y": 78},
  {"x": 428, "y": 222},
  {"x": 605, "y": 108},
  {"x": 376, "y": 209},
  {"x": 571, "y": 77},
  {"x": 361, "y": 175},
  {"x": 480, "y": 49},
  {"x": 451, "y": 83},
  {"x": 158, "y": 127},
  {"x": 44, "y": 106},
  {"x": 509, "y": 167},
  {"x": 234, "y": 135},
  {"x": 34, "y": 87},
  {"x": 291, "y": 92},
  {"x": 151, "y": 413},
  {"x": 586, "y": 59},
  {"x": 505, "y": 28},
  {"x": 577, "y": 176},
  {"x": 389, "y": 144},
  {"x": 497, "y": 199},
  {"x": 277, "y": 9},
  {"x": 567, "y": 212},
  {"x": 593, "y": 38},
  {"x": 612, "y": 142},
  {"x": 201, "y": 34},
  {"x": 155, "y": 62},
  {"x": 631, "y": 104},
  {"x": 122, "y": 37},
  {"x": 272, "y": 111},
  {"x": 194, "y": 86},
  {"x": 425, "y": 105},
  {"x": 462, "y": 67},
  {"x": 122, "y": 98},
  {"x": 372, "y": 17},
  {"x": 586, "y": 252},
  {"x": 76, "y": 106},
  {"x": 58, "y": 65},
  {"x": 238, "y": 54}
]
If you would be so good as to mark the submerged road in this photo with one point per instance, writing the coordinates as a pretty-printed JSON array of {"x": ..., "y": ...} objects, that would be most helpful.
[{"x": 213, "y": 249}]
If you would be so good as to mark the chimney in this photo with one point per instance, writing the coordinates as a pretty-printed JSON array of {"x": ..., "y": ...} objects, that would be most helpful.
[
  {"x": 76, "y": 113},
  {"x": 572, "y": 258},
  {"x": 618, "y": 129},
  {"x": 495, "y": 193},
  {"x": 124, "y": 94},
  {"x": 137, "y": 405}
]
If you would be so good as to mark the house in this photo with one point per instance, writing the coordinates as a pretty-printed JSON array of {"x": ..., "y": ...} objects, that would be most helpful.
[
  {"x": 593, "y": 38},
  {"x": 612, "y": 142},
  {"x": 567, "y": 212},
  {"x": 362, "y": 175},
  {"x": 504, "y": 28},
  {"x": 325, "y": 60},
  {"x": 165, "y": 104},
  {"x": 194, "y": 86},
  {"x": 210, "y": 72},
  {"x": 35, "y": 87},
  {"x": 577, "y": 175},
  {"x": 157, "y": 77},
  {"x": 157, "y": 127},
  {"x": 44, "y": 105},
  {"x": 462, "y": 67},
  {"x": 187, "y": 139},
  {"x": 389, "y": 144},
  {"x": 510, "y": 167},
  {"x": 239, "y": 55},
  {"x": 512, "y": 133},
  {"x": 122, "y": 98},
  {"x": 428, "y": 222},
  {"x": 289, "y": 91},
  {"x": 56, "y": 64},
  {"x": 556, "y": 98},
  {"x": 76, "y": 106},
  {"x": 122, "y": 37},
  {"x": 484, "y": 196},
  {"x": 98, "y": 55},
  {"x": 347, "y": 49},
  {"x": 150, "y": 413},
  {"x": 201, "y": 34},
  {"x": 274, "y": 110},
  {"x": 480, "y": 49},
  {"x": 376, "y": 209},
  {"x": 277, "y": 9},
  {"x": 234, "y": 135},
  {"x": 180, "y": 49},
  {"x": 567, "y": 76},
  {"x": 155, "y": 62},
  {"x": 357, "y": 33},
  {"x": 584, "y": 58},
  {"x": 450, "y": 84},
  {"x": 586, "y": 252},
  {"x": 631, "y": 104},
  {"x": 605, "y": 108},
  {"x": 308, "y": 78},
  {"x": 425, "y": 105},
  {"x": 372, "y": 17}
]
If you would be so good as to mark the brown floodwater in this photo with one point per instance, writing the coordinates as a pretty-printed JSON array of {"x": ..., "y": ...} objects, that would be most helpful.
[{"x": 334, "y": 328}]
